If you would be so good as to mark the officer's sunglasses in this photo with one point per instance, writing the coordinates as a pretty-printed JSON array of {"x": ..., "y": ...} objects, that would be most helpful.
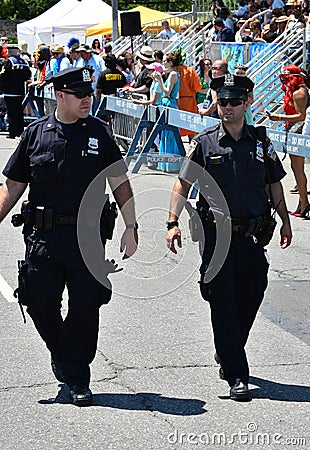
[
  {"x": 79, "y": 95},
  {"x": 232, "y": 101}
]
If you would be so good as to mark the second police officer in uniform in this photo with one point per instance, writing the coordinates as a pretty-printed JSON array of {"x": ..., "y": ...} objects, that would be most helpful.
[
  {"x": 58, "y": 156},
  {"x": 243, "y": 164}
]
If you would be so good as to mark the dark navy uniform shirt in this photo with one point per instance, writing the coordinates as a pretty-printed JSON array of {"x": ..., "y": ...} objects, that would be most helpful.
[
  {"x": 239, "y": 168},
  {"x": 60, "y": 161},
  {"x": 110, "y": 80}
]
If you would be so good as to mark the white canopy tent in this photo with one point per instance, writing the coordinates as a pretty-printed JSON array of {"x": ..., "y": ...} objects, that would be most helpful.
[{"x": 66, "y": 19}]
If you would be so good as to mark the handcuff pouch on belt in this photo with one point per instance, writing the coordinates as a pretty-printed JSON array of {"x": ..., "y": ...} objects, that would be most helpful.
[
  {"x": 260, "y": 227},
  {"x": 108, "y": 218},
  {"x": 265, "y": 231},
  {"x": 194, "y": 223}
]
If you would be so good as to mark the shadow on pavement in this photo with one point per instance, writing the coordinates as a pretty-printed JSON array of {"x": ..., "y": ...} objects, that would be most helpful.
[
  {"x": 138, "y": 402},
  {"x": 278, "y": 391}
]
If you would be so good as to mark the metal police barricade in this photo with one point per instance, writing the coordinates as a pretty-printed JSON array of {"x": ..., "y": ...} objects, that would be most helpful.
[
  {"x": 158, "y": 119},
  {"x": 126, "y": 117}
]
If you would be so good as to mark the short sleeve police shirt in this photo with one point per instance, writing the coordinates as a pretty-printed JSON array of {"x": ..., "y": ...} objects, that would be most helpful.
[
  {"x": 240, "y": 169},
  {"x": 60, "y": 163}
]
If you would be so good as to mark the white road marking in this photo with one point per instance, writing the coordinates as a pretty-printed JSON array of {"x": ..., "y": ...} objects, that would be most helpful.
[{"x": 6, "y": 290}]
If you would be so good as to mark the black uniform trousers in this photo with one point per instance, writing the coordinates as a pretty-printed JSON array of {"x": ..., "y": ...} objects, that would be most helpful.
[
  {"x": 235, "y": 295},
  {"x": 15, "y": 115},
  {"x": 53, "y": 263}
]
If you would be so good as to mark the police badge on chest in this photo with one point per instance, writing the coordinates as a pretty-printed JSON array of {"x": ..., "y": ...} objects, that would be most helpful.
[
  {"x": 92, "y": 147},
  {"x": 259, "y": 155}
]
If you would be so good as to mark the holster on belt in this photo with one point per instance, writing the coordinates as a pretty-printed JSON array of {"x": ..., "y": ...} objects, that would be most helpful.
[{"x": 246, "y": 227}]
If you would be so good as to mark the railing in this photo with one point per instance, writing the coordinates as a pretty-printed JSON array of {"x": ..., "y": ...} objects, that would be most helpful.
[
  {"x": 264, "y": 71},
  {"x": 149, "y": 31},
  {"x": 150, "y": 117}
]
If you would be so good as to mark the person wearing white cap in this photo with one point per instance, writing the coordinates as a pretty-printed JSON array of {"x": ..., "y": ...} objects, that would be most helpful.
[{"x": 88, "y": 59}]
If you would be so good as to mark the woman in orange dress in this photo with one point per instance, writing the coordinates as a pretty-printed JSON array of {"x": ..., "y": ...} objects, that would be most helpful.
[{"x": 190, "y": 85}]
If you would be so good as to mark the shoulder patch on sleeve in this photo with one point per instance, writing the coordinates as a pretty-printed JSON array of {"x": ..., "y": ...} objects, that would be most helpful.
[
  {"x": 191, "y": 148},
  {"x": 271, "y": 151}
]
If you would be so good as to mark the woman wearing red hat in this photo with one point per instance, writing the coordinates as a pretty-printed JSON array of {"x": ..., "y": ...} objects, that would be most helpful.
[{"x": 296, "y": 100}]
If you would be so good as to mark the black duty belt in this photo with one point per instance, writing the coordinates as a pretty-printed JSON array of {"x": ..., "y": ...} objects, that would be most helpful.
[
  {"x": 46, "y": 218},
  {"x": 245, "y": 226},
  {"x": 65, "y": 219}
]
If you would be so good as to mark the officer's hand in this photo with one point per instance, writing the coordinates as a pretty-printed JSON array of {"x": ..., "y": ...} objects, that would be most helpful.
[
  {"x": 129, "y": 242},
  {"x": 173, "y": 235},
  {"x": 286, "y": 235},
  {"x": 110, "y": 266}
]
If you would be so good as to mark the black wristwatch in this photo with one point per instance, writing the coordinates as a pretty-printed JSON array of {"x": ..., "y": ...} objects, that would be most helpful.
[
  {"x": 132, "y": 226},
  {"x": 172, "y": 224}
]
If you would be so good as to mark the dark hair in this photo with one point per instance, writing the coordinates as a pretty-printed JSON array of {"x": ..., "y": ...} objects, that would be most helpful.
[
  {"x": 175, "y": 58},
  {"x": 158, "y": 54},
  {"x": 44, "y": 54},
  {"x": 121, "y": 61},
  {"x": 202, "y": 66},
  {"x": 94, "y": 42},
  {"x": 107, "y": 48}
]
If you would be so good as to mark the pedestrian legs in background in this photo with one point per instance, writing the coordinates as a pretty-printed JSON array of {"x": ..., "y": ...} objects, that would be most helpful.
[
  {"x": 297, "y": 164},
  {"x": 4, "y": 126},
  {"x": 15, "y": 115},
  {"x": 3, "y": 114}
]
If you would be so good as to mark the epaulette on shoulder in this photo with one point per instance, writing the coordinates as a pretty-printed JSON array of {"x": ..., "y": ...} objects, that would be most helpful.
[
  {"x": 36, "y": 122},
  {"x": 210, "y": 130}
]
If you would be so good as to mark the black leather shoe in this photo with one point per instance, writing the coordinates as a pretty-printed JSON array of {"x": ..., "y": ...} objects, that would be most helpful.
[
  {"x": 81, "y": 395},
  {"x": 221, "y": 371},
  {"x": 240, "y": 391},
  {"x": 57, "y": 371}
]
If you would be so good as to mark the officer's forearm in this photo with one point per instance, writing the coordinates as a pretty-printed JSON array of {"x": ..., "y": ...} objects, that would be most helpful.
[
  {"x": 10, "y": 193},
  {"x": 124, "y": 197},
  {"x": 178, "y": 199},
  {"x": 279, "y": 201}
]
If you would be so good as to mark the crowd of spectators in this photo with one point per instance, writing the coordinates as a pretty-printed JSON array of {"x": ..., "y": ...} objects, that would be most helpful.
[{"x": 256, "y": 21}]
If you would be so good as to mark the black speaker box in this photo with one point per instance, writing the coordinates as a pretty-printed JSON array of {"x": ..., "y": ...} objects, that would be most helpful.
[{"x": 130, "y": 23}]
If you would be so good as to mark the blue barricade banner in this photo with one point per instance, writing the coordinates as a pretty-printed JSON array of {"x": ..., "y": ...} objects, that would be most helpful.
[{"x": 233, "y": 53}]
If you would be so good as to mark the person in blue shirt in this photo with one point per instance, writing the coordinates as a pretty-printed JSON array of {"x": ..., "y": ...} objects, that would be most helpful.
[
  {"x": 222, "y": 33},
  {"x": 167, "y": 32}
]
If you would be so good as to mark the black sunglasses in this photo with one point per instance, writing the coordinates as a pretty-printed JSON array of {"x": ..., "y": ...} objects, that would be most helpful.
[
  {"x": 232, "y": 101},
  {"x": 79, "y": 95}
]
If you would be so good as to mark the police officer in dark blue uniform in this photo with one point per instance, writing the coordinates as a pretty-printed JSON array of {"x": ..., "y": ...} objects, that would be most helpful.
[
  {"x": 59, "y": 156},
  {"x": 14, "y": 72},
  {"x": 243, "y": 163}
]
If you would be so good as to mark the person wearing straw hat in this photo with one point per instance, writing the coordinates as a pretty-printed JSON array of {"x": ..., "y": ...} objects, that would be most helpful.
[{"x": 143, "y": 82}]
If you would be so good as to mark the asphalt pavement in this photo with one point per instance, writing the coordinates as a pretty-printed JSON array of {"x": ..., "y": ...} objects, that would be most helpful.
[{"x": 154, "y": 379}]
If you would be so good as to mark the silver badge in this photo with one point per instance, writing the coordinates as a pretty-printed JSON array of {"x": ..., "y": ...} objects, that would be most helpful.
[
  {"x": 260, "y": 152},
  {"x": 229, "y": 80},
  {"x": 93, "y": 143},
  {"x": 86, "y": 75}
]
